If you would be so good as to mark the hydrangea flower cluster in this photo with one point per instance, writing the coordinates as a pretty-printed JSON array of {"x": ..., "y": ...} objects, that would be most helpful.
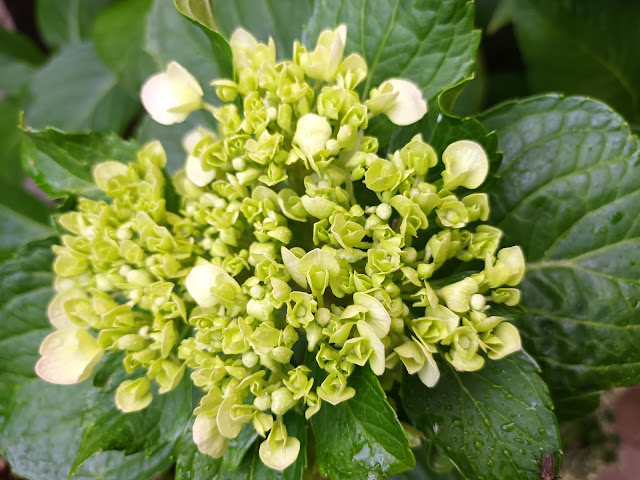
[{"x": 296, "y": 254}]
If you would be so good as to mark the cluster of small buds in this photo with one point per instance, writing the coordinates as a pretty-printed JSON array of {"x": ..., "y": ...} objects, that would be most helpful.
[{"x": 297, "y": 253}]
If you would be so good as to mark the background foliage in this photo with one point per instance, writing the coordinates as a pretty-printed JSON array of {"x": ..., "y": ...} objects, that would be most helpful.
[{"x": 566, "y": 189}]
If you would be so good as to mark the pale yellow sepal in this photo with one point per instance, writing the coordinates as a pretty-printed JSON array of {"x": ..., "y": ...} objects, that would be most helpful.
[
  {"x": 279, "y": 450},
  {"x": 68, "y": 356}
]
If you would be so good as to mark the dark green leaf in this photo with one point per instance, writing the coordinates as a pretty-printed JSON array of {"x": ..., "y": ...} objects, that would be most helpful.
[
  {"x": 42, "y": 431},
  {"x": 67, "y": 21},
  {"x": 568, "y": 193},
  {"x": 170, "y": 36},
  {"x": 429, "y": 42},
  {"x": 75, "y": 91},
  {"x": 61, "y": 163},
  {"x": 19, "y": 59},
  {"x": 362, "y": 437},
  {"x": 26, "y": 287},
  {"x": 493, "y": 423},
  {"x": 280, "y": 19},
  {"x": 24, "y": 218},
  {"x": 10, "y": 139},
  {"x": 104, "y": 427},
  {"x": 118, "y": 38},
  {"x": 238, "y": 447},
  {"x": 423, "y": 471},
  {"x": 583, "y": 47}
]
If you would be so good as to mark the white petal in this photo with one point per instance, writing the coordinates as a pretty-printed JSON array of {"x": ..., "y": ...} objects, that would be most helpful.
[
  {"x": 409, "y": 106},
  {"x": 68, "y": 356},
  {"x": 199, "y": 282},
  {"x": 158, "y": 98},
  {"x": 242, "y": 45},
  {"x": 377, "y": 316},
  {"x": 466, "y": 164},
  {"x": 312, "y": 133},
  {"x": 178, "y": 75},
  {"x": 196, "y": 173}
]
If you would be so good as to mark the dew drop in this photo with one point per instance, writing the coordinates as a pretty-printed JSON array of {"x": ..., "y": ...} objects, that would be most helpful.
[
  {"x": 616, "y": 217},
  {"x": 478, "y": 443},
  {"x": 507, "y": 427},
  {"x": 507, "y": 453}
]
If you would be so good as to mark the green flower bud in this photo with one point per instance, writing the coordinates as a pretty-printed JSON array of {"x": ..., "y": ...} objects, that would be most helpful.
[
  {"x": 503, "y": 340},
  {"x": 508, "y": 269},
  {"x": 508, "y": 296},
  {"x": 133, "y": 395},
  {"x": 382, "y": 175},
  {"x": 226, "y": 90},
  {"x": 282, "y": 401},
  {"x": 418, "y": 155},
  {"x": 352, "y": 71},
  {"x": 334, "y": 389},
  {"x": 463, "y": 354},
  {"x": 484, "y": 241},
  {"x": 452, "y": 213},
  {"x": 477, "y": 205},
  {"x": 324, "y": 61},
  {"x": 457, "y": 295},
  {"x": 319, "y": 269}
]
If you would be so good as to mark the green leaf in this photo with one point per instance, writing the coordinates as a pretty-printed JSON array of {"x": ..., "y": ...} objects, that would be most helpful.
[
  {"x": 568, "y": 193},
  {"x": 238, "y": 447},
  {"x": 10, "y": 139},
  {"x": 75, "y": 91},
  {"x": 118, "y": 38},
  {"x": 104, "y": 427},
  {"x": 429, "y": 42},
  {"x": 26, "y": 287},
  {"x": 67, "y": 21},
  {"x": 493, "y": 423},
  {"x": 280, "y": 19},
  {"x": 220, "y": 48},
  {"x": 170, "y": 36},
  {"x": 582, "y": 47},
  {"x": 19, "y": 59},
  {"x": 24, "y": 218},
  {"x": 42, "y": 431},
  {"x": 423, "y": 471},
  {"x": 362, "y": 437},
  {"x": 61, "y": 163}
]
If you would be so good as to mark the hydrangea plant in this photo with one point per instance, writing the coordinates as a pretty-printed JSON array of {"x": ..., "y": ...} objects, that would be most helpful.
[
  {"x": 312, "y": 268},
  {"x": 296, "y": 253}
]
